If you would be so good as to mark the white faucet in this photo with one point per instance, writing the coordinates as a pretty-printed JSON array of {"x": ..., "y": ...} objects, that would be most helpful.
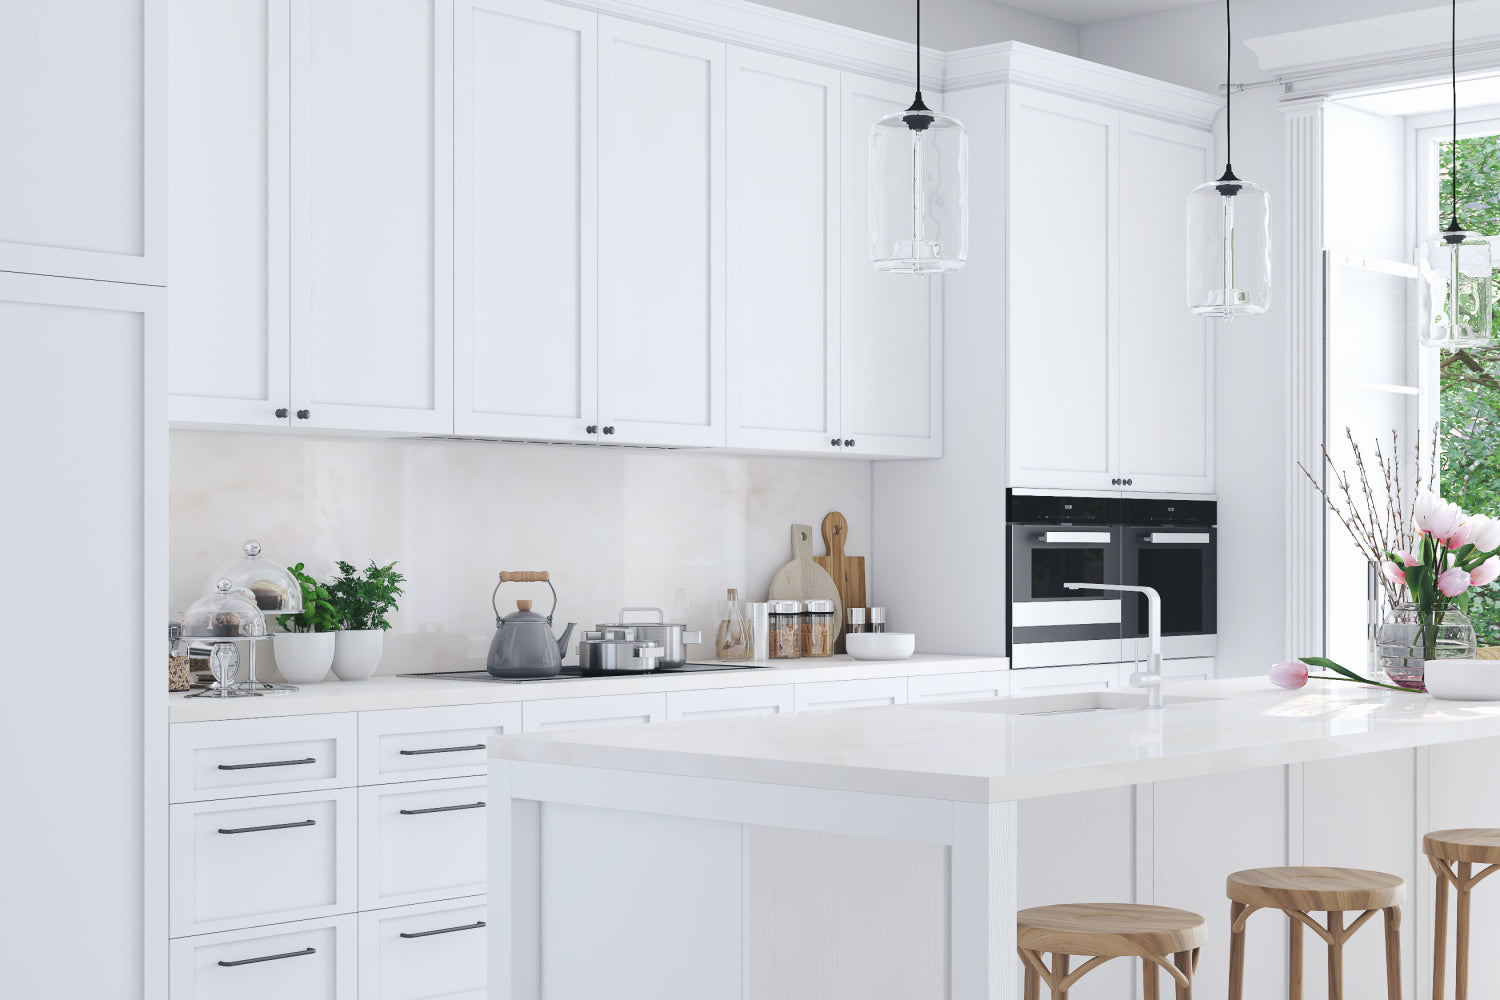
[{"x": 1151, "y": 678}]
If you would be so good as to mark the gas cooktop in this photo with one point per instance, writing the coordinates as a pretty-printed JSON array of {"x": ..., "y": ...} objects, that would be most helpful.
[{"x": 575, "y": 674}]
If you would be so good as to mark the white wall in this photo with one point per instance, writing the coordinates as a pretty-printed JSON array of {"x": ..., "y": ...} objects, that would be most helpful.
[
  {"x": 946, "y": 24},
  {"x": 614, "y": 526}
]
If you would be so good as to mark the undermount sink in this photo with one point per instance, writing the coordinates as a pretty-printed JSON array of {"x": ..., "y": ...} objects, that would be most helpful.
[{"x": 1064, "y": 704}]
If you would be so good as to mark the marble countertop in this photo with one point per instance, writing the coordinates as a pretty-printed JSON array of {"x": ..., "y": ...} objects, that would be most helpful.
[
  {"x": 962, "y": 754},
  {"x": 429, "y": 692}
]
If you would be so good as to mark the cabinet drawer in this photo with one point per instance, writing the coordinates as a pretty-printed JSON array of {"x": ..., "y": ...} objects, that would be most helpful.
[
  {"x": 262, "y": 860},
  {"x": 1061, "y": 680},
  {"x": 422, "y": 841},
  {"x": 305, "y": 960},
  {"x": 426, "y": 950},
  {"x": 958, "y": 687},
  {"x": 726, "y": 703},
  {"x": 407, "y": 744},
  {"x": 607, "y": 710},
  {"x": 851, "y": 694},
  {"x": 216, "y": 760}
]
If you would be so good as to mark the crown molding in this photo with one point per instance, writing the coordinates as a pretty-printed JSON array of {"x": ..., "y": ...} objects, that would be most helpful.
[{"x": 1043, "y": 69}]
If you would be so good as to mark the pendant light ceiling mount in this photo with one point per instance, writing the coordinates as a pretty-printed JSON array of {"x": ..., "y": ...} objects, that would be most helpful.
[{"x": 919, "y": 187}]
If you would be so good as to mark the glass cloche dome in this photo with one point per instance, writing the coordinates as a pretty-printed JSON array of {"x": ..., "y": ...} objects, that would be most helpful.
[
  {"x": 275, "y": 590},
  {"x": 225, "y": 613}
]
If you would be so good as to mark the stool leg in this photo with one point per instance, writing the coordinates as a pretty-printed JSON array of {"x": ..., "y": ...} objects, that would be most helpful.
[
  {"x": 1150, "y": 979},
  {"x": 1236, "y": 953},
  {"x": 1033, "y": 989},
  {"x": 1294, "y": 960},
  {"x": 1393, "y": 952},
  {"x": 1440, "y": 933},
  {"x": 1336, "y": 957},
  {"x": 1184, "y": 961},
  {"x": 1461, "y": 960},
  {"x": 1060, "y": 972}
]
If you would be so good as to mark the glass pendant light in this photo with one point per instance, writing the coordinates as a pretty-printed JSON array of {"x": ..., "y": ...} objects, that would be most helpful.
[
  {"x": 919, "y": 187},
  {"x": 1229, "y": 231},
  {"x": 1456, "y": 269}
]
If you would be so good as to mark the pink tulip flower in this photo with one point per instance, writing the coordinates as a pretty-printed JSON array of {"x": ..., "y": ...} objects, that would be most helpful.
[
  {"x": 1407, "y": 559},
  {"x": 1460, "y": 536},
  {"x": 1485, "y": 573},
  {"x": 1290, "y": 675},
  {"x": 1484, "y": 533},
  {"x": 1393, "y": 573},
  {"x": 1453, "y": 582},
  {"x": 1422, "y": 511}
]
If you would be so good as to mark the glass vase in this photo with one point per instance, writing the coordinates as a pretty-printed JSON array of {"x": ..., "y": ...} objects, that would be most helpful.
[{"x": 1410, "y": 636}]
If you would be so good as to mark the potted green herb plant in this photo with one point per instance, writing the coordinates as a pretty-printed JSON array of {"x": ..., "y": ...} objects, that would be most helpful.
[
  {"x": 362, "y": 600},
  {"x": 304, "y": 651}
]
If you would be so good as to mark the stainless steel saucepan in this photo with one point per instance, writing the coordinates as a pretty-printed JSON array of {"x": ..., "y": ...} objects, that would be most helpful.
[
  {"x": 673, "y": 639},
  {"x": 616, "y": 650}
]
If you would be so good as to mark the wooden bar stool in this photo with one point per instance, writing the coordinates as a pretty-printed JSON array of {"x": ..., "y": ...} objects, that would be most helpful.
[
  {"x": 1453, "y": 854},
  {"x": 1159, "y": 936},
  {"x": 1299, "y": 892}
]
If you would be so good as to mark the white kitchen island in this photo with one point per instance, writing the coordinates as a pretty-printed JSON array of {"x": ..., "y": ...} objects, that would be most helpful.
[{"x": 883, "y": 852}]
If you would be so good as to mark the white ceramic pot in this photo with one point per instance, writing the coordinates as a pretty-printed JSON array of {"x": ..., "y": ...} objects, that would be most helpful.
[
  {"x": 357, "y": 653},
  {"x": 304, "y": 657}
]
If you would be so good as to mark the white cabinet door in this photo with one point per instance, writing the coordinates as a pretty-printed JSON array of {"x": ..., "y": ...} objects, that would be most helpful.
[
  {"x": 424, "y": 951},
  {"x": 421, "y": 841},
  {"x": 84, "y": 169},
  {"x": 525, "y": 220},
  {"x": 371, "y": 215},
  {"x": 661, "y": 236},
  {"x": 227, "y": 250},
  {"x": 726, "y": 703},
  {"x": 1064, "y": 680},
  {"x": 958, "y": 687},
  {"x": 604, "y": 710},
  {"x": 782, "y": 216},
  {"x": 306, "y": 960},
  {"x": 234, "y": 758},
  {"x": 891, "y": 379},
  {"x": 1165, "y": 353},
  {"x": 1062, "y": 304},
  {"x": 823, "y": 695},
  {"x": 410, "y": 744}
]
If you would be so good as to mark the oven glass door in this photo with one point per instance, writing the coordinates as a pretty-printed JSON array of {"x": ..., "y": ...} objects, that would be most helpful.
[
  {"x": 1043, "y": 558},
  {"x": 1181, "y": 563}
]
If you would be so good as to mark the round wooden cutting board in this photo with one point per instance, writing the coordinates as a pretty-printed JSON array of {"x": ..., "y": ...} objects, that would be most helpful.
[{"x": 803, "y": 579}]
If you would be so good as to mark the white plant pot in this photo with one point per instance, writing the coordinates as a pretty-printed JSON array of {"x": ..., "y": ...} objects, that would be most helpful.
[
  {"x": 357, "y": 653},
  {"x": 304, "y": 657}
]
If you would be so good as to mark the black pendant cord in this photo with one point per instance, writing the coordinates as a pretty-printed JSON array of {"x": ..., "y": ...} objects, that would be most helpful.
[
  {"x": 915, "y": 120},
  {"x": 1228, "y": 185},
  {"x": 1454, "y": 229}
]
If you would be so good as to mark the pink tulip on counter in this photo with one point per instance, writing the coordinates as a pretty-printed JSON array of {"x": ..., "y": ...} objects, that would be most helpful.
[
  {"x": 1289, "y": 675},
  {"x": 1453, "y": 582}
]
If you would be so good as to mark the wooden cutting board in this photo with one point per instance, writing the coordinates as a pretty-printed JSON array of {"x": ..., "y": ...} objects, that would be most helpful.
[
  {"x": 803, "y": 579},
  {"x": 848, "y": 572}
]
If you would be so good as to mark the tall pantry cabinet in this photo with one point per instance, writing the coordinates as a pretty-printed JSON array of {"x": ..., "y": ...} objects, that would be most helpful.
[{"x": 82, "y": 393}]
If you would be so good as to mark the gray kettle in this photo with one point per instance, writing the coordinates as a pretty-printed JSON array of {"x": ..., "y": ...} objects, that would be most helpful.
[{"x": 524, "y": 645}]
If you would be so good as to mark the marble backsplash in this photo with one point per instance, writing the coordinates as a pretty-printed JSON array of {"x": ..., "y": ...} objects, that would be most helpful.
[{"x": 615, "y": 526}]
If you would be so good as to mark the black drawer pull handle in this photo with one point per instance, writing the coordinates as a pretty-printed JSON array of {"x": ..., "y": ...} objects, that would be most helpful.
[
  {"x": 267, "y": 763},
  {"x": 442, "y": 809},
  {"x": 273, "y": 826},
  {"x": 418, "y": 753},
  {"x": 269, "y": 958},
  {"x": 443, "y": 930}
]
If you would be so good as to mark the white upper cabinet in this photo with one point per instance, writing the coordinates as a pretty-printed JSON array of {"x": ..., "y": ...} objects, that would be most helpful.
[
  {"x": 84, "y": 124},
  {"x": 525, "y": 249},
  {"x": 891, "y": 368},
  {"x": 228, "y": 322},
  {"x": 1166, "y": 354},
  {"x": 783, "y": 280},
  {"x": 371, "y": 218},
  {"x": 661, "y": 236}
]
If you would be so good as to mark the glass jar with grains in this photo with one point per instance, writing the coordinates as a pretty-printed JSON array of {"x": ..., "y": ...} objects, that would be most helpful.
[
  {"x": 818, "y": 629},
  {"x": 786, "y": 630}
]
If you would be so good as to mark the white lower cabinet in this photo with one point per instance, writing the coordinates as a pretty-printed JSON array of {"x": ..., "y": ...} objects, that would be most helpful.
[
  {"x": 260, "y": 860},
  {"x": 958, "y": 687},
  {"x": 305, "y": 960},
  {"x": 608, "y": 710},
  {"x": 851, "y": 694},
  {"x": 1196, "y": 668},
  {"x": 423, "y": 951},
  {"x": 421, "y": 841},
  {"x": 1064, "y": 680},
  {"x": 726, "y": 703},
  {"x": 407, "y": 744}
]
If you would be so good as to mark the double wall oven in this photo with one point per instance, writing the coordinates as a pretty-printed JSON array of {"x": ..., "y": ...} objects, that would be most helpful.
[{"x": 1166, "y": 543}]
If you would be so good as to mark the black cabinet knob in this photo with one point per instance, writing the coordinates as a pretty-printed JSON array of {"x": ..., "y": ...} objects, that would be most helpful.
[
  {"x": 609, "y": 430},
  {"x": 303, "y": 414},
  {"x": 281, "y": 413},
  {"x": 591, "y": 429},
  {"x": 848, "y": 442},
  {"x": 835, "y": 442}
]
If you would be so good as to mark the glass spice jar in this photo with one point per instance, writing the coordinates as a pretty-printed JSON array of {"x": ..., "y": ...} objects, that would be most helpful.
[
  {"x": 818, "y": 629},
  {"x": 178, "y": 673},
  {"x": 786, "y": 630}
]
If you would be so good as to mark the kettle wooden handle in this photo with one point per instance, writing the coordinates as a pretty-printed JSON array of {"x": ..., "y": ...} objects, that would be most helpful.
[{"x": 525, "y": 576}]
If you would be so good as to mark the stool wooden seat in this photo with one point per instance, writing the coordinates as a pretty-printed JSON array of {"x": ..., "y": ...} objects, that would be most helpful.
[
  {"x": 1300, "y": 892},
  {"x": 1453, "y": 854},
  {"x": 1159, "y": 936}
]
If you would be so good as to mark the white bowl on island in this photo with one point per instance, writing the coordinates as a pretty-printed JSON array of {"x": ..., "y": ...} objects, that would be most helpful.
[
  {"x": 1463, "y": 680},
  {"x": 880, "y": 645}
]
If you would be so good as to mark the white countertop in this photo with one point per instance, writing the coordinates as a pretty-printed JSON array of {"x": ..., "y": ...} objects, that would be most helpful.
[
  {"x": 933, "y": 752},
  {"x": 377, "y": 693}
]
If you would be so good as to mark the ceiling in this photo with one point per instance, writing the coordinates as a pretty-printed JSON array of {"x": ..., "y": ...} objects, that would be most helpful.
[{"x": 1090, "y": 11}]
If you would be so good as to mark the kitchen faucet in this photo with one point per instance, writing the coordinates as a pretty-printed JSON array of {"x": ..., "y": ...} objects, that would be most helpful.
[{"x": 1151, "y": 678}]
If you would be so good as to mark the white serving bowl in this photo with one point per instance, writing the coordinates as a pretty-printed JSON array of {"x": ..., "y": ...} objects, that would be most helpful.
[
  {"x": 1463, "y": 680},
  {"x": 880, "y": 645}
]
